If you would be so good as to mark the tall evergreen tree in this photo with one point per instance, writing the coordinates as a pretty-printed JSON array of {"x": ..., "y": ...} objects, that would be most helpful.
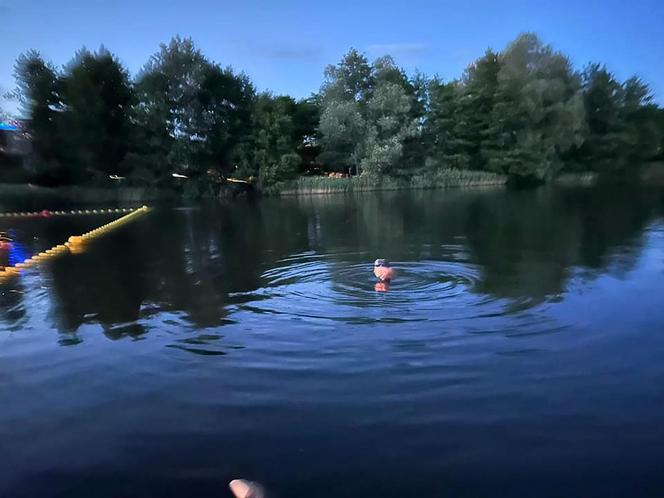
[
  {"x": 416, "y": 147},
  {"x": 641, "y": 121},
  {"x": 442, "y": 125},
  {"x": 621, "y": 124}
]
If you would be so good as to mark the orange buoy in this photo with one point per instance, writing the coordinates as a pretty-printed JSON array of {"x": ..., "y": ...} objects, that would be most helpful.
[
  {"x": 76, "y": 244},
  {"x": 383, "y": 271},
  {"x": 382, "y": 286}
]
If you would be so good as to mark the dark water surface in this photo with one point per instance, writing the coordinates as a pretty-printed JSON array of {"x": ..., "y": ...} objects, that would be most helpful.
[{"x": 519, "y": 353}]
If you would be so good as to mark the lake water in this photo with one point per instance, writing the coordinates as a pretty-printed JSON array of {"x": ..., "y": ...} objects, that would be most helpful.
[{"x": 519, "y": 352}]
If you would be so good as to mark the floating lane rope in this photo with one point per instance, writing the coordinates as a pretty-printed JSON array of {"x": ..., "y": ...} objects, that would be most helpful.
[
  {"x": 47, "y": 214},
  {"x": 75, "y": 244}
]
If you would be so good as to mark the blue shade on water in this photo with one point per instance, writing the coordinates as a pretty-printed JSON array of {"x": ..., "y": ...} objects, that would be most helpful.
[{"x": 517, "y": 353}]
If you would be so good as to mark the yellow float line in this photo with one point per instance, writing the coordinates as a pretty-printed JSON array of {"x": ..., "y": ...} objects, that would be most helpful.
[
  {"x": 48, "y": 213},
  {"x": 74, "y": 245}
]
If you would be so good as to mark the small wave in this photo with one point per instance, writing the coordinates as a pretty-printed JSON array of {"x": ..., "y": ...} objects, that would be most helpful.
[{"x": 336, "y": 286}]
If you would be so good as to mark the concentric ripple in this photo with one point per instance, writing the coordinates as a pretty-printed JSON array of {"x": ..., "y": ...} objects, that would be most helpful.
[{"x": 341, "y": 286}]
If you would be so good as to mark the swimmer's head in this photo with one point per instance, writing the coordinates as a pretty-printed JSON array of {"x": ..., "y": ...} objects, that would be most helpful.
[{"x": 381, "y": 263}]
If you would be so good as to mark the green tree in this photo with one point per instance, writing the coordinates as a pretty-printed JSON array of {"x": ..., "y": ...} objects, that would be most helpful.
[
  {"x": 225, "y": 102},
  {"x": 392, "y": 120},
  {"x": 417, "y": 146},
  {"x": 621, "y": 122},
  {"x": 342, "y": 129},
  {"x": 306, "y": 117},
  {"x": 602, "y": 97},
  {"x": 192, "y": 112},
  {"x": 94, "y": 123},
  {"x": 279, "y": 142},
  {"x": 275, "y": 143},
  {"x": 523, "y": 112},
  {"x": 641, "y": 121},
  {"x": 478, "y": 98},
  {"x": 38, "y": 93},
  {"x": 444, "y": 121},
  {"x": 348, "y": 81},
  {"x": 460, "y": 120},
  {"x": 167, "y": 89},
  {"x": 389, "y": 124},
  {"x": 366, "y": 115},
  {"x": 343, "y": 97},
  {"x": 659, "y": 119},
  {"x": 538, "y": 113}
]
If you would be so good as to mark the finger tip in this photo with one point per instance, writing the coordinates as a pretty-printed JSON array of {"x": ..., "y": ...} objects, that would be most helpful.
[{"x": 240, "y": 488}]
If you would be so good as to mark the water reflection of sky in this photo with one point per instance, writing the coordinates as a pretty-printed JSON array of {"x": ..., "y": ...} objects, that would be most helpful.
[
  {"x": 462, "y": 257},
  {"x": 520, "y": 343}
]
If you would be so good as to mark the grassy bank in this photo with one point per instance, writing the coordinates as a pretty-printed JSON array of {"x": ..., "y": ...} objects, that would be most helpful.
[
  {"x": 444, "y": 179},
  {"x": 586, "y": 179},
  {"x": 26, "y": 195}
]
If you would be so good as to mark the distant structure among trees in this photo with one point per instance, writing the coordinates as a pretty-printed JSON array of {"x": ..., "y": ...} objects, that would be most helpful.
[
  {"x": 524, "y": 112},
  {"x": 15, "y": 147}
]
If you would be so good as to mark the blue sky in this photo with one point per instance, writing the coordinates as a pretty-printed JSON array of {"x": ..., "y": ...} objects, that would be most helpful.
[{"x": 285, "y": 45}]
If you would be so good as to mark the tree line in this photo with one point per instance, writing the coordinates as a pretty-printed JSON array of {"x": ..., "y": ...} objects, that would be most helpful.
[{"x": 186, "y": 122}]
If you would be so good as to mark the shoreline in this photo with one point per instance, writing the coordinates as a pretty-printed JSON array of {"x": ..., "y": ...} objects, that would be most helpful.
[
  {"x": 313, "y": 192},
  {"x": 442, "y": 180},
  {"x": 35, "y": 196},
  {"x": 28, "y": 194}
]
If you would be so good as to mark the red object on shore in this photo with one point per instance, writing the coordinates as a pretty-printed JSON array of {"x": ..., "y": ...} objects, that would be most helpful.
[{"x": 45, "y": 213}]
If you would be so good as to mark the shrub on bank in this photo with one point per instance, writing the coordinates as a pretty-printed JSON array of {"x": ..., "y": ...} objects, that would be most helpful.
[
  {"x": 442, "y": 179},
  {"x": 456, "y": 178}
]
